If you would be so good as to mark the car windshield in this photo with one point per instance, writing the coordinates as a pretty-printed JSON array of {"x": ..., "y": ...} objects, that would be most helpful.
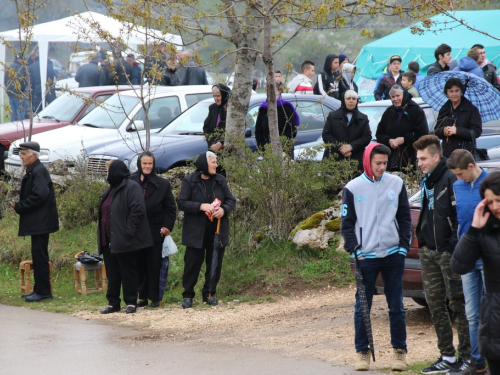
[
  {"x": 65, "y": 107},
  {"x": 111, "y": 113},
  {"x": 191, "y": 121}
]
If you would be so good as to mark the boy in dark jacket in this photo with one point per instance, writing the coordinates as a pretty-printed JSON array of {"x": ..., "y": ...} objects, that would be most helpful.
[
  {"x": 437, "y": 236},
  {"x": 481, "y": 241},
  {"x": 393, "y": 78},
  {"x": 378, "y": 203}
]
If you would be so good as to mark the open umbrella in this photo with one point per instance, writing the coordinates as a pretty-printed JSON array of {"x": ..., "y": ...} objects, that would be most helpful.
[
  {"x": 480, "y": 92},
  {"x": 163, "y": 277},
  {"x": 215, "y": 260},
  {"x": 360, "y": 288}
]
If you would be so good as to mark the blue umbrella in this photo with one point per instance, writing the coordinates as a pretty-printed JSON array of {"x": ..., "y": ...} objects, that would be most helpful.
[{"x": 480, "y": 92}]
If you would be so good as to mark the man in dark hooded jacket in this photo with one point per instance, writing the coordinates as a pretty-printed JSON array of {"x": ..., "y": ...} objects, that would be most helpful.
[
  {"x": 328, "y": 80},
  {"x": 37, "y": 217},
  {"x": 198, "y": 191},
  {"x": 195, "y": 75},
  {"x": 401, "y": 124},
  {"x": 88, "y": 74},
  {"x": 170, "y": 75}
]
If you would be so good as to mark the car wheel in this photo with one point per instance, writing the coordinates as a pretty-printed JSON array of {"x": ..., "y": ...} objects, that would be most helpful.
[{"x": 420, "y": 301}]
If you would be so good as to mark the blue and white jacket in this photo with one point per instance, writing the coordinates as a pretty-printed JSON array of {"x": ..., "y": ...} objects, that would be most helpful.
[{"x": 382, "y": 209}]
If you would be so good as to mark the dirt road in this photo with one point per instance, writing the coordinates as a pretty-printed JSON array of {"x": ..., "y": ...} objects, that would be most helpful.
[{"x": 314, "y": 324}]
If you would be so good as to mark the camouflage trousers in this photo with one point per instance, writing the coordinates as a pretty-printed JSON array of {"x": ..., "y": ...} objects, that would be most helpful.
[{"x": 441, "y": 283}]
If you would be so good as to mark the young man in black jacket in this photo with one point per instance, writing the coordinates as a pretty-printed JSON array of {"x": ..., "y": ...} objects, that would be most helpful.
[
  {"x": 437, "y": 236},
  {"x": 443, "y": 57}
]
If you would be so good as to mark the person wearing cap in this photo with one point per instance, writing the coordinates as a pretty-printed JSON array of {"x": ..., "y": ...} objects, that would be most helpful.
[
  {"x": 88, "y": 74},
  {"x": 15, "y": 86},
  {"x": 198, "y": 191},
  {"x": 135, "y": 75},
  {"x": 37, "y": 217},
  {"x": 393, "y": 78}
]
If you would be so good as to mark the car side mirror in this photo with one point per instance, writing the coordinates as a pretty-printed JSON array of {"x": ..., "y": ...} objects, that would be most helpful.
[
  {"x": 248, "y": 133},
  {"x": 136, "y": 126}
]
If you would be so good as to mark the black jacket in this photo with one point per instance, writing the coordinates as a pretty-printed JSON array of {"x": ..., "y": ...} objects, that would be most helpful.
[
  {"x": 214, "y": 133},
  {"x": 18, "y": 75},
  {"x": 435, "y": 68},
  {"x": 36, "y": 80},
  {"x": 121, "y": 74},
  {"x": 88, "y": 75},
  {"x": 483, "y": 243},
  {"x": 490, "y": 75},
  {"x": 344, "y": 86},
  {"x": 385, "y": 84},
  {"x": 195, "y": 75},
  {"x": 357, "y": 134},
  {"x": 170, "y": 78},
  {"x": 37, "y": 202},
  {"x": 466, "y": 118},
  {"x": 445, "y": 225},
  {"x": 160, "y": 205},
  {"x": 287, "y": 124},
  {"x": 412, "y": 126},
  {"x": 129, "y": 224},
  {"x": 191, "y": 196}
]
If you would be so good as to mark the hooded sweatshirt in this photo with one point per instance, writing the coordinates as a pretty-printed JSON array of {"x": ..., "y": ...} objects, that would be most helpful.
[
  {"x": 381, "y": 208},
  {"x": 328, "y": 81},
  {"x": 301, "y": 84},
  {"x": 469, "y": 65}
]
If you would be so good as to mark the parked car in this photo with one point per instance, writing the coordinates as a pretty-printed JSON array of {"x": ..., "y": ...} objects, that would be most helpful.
[
  {"x": 374, "y": 110},
  {"x": 412, "y": 278},
  {"x": 117, "y": 118},
  {"x": 183, "y": 138},
  {"x": 67, "y": 109}
]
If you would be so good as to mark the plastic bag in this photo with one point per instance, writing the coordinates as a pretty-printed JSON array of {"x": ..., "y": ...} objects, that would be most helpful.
[{"x": 169, "y": 247}]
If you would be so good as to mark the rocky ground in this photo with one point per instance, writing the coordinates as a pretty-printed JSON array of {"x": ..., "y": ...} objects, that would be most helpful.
[{"x": 317, "y": 324}]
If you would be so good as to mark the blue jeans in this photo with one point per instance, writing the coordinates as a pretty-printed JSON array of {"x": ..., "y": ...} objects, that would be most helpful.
[
  {"x": 18, "y": 109},
  {"x": 391, "y": 268},
  {"x": 472, "y": 283}
]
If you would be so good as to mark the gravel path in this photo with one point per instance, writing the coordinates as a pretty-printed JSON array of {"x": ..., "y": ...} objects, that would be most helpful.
[{"x": 316, "y": 324}]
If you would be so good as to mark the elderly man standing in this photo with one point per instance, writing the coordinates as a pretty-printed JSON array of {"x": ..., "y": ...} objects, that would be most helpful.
[{"x": 38, "y": 217}]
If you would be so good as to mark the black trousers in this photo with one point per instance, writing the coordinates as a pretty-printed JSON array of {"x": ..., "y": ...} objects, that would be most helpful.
[
  {"x": 149, "y": 264},
  {"x": 193, "y": 260},
  {"x": 40, "y": 257},
  {"x": 494, "y": 366},
  {"x": 121, "y": 270}
]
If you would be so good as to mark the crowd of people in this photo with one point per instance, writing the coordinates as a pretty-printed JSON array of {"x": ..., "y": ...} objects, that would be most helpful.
[{"x": 458, "y": 224}]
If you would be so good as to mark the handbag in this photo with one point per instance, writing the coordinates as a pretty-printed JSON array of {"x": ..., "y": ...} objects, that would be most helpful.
[
  {"x": 87, "y": 258},
  {"x": 169, "y": 247},
  {"x": 479, "y": 154}
]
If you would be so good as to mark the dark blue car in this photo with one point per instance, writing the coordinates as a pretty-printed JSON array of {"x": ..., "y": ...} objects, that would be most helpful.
[{"x": 183, "y": 138}]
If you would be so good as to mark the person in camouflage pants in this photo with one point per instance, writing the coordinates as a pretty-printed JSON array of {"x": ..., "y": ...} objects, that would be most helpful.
[{"x": 437, "y": 236}]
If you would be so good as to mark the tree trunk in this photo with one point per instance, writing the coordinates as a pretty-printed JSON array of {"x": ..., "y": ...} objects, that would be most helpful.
[{"x": 272, "y": 110}]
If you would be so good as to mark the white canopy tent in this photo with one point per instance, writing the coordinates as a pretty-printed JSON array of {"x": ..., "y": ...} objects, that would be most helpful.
[{"x": 82, "y": 27}]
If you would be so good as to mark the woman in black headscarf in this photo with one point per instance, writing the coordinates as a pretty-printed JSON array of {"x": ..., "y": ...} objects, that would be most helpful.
[
  {"x": 122, "y": 230},
  {"x": 160, "y": 210},
  {"x": 215, "y": 124},
  {"x": 347, "y": 130},
  {"x": 402, "y": 123},
  {"x": 198, "y": 190}
]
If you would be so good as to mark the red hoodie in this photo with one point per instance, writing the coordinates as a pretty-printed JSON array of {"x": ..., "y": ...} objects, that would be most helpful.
[{"x": 367, "y": 165}]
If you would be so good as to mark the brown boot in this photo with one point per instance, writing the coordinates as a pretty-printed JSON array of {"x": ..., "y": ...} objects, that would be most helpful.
[
  {"x": 363, "y": 361},
  {"x": 399, "y": 360}
]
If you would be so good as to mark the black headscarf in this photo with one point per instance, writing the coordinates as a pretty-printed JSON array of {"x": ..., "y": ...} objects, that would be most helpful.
[
  {"x": 224, "y": 91},
  {"x": 118, "y": 171},
  {"x": 202, "y": 163},
  {"x": 344, "y": 107},
  {"x": 139, "y": 166},
  {"x": 404, "y": 104}
]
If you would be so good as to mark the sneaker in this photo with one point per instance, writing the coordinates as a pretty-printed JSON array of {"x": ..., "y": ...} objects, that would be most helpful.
[
  {"x": 441, "y": 366},
  {"x": 363, "y": 361},
  {"x": 399, "y": 361},
  {"x": 470, "y": 367},
  {"x": 187, "y": 303}
]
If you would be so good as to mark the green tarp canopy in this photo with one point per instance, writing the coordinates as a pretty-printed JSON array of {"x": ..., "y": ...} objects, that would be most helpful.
[{"x": 414, "y": 47}]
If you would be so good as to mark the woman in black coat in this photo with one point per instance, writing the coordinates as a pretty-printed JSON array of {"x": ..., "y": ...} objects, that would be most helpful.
[
  {"x": 122, "y": 230},
  {"x": 482, "y": 240},
  {"x": 198, "y": 191},
  {"x": 347, "y": 131},
  {"x": 459, "y": 122},
  {"x": 288, "y": 120},
  {"x": 214, "y": 126},
  {"x": 161, "y": 213},
  {"x": 402, "y": 123}
]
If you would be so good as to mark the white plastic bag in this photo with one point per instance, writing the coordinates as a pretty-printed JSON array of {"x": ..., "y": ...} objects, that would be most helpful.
[{"x": 169, "y": 247}]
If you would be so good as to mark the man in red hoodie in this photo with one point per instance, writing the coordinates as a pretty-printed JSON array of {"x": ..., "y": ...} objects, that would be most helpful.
[{"x": 377, "y": 202}]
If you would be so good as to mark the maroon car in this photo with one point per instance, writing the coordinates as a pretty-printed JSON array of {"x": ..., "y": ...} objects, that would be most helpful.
[
  {"x": 65, "y": 110},
  {"x": 412, "y": 278}
]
